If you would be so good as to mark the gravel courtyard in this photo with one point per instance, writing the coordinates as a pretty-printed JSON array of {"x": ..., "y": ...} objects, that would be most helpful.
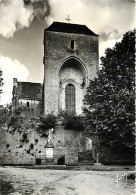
[{"x": 24, "y": 181}]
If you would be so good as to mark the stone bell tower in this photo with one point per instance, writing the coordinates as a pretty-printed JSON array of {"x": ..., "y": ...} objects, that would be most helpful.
[{"x": 70, "y": 61}]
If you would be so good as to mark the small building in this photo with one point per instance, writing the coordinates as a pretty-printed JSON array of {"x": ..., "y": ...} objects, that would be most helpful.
[{"x": 27, "y": 95}]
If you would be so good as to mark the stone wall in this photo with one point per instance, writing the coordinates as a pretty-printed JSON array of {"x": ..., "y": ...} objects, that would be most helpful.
[
  {"x": 25, "y": 147},
  {"x": 57, "y": 51},
  {"x": 28, "y": 146},
  {"x": 31, "y": 107}
]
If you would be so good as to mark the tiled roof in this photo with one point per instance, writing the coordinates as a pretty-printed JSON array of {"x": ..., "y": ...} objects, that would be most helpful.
[
  {"x": 31, "y": 91},
  {"x": 70, "y": 28}
]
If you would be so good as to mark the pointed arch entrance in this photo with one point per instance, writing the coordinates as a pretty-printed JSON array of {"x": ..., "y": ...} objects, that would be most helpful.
[
  {"x": 70, "y": 99},
  {"x": 72, "y": 86}
]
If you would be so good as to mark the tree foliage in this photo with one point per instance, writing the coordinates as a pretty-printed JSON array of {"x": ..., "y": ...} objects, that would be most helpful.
[
  {"x": 5, "y": 113},
  {"x": 110, "y": 96},
  {"x": 47, "y": 122},
  {"x": 18, "y": 122},
  {"x": 74, "y": 122}
]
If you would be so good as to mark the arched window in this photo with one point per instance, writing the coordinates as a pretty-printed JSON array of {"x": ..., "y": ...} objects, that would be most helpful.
[{"x": 70, "y": 99}]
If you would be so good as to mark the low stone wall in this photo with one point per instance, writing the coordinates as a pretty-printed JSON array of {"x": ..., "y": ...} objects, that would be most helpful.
[
  {"x": 29, "y": 148},
  {"x": 26, "y": 147}
]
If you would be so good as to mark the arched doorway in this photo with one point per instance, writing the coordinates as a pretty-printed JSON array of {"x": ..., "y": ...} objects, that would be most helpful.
[{"x": 70, "y": 99}]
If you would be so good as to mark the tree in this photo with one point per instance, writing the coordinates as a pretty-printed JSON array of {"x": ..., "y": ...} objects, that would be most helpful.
[
  {"x": 5, "y": 114},
  {"x": 1, "y": 83},
  {"x": 110, "y": 97}
]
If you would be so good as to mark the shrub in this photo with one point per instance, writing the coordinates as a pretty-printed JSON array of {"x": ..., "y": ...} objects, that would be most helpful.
[
  {"x": 74, "y": 122},
  {"x": 16, "y": 121},
  {"x": 19, "y": 110},
  {"x": 47, "y": 122},
  {"x": 5, "y": 114}
]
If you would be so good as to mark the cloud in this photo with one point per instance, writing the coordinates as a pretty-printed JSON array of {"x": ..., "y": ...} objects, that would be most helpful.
[
  {"x": 11, "y": 69},
  {"x": 17, "y": 14},
  {"x": 107, "y": 44},
  {"x": 41, "y": 8},
  {"x": 110, "y": 19}
]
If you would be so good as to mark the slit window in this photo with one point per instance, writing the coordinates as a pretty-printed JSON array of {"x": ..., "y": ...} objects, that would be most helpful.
[
  {"x": 27, "y": 104},
  {"x": 72, "y": 44}
]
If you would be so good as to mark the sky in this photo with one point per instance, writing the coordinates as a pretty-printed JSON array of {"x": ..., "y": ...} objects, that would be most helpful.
[{"x": 22, "y": 24}]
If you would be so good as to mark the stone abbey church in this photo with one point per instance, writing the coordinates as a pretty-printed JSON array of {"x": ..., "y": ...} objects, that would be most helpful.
[
  {"x": 70, "y": 61},
  {"x": 71, "y": 54}
]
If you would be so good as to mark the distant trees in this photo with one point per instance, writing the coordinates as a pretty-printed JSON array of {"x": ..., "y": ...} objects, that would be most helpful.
[{"x": 110, "y": 97}]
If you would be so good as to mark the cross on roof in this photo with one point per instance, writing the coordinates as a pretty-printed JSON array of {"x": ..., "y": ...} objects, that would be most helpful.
[{"x": 68, "y": 19}]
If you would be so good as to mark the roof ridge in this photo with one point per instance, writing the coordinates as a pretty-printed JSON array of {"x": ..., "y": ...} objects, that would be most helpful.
[{"x": 69, "y": 23}]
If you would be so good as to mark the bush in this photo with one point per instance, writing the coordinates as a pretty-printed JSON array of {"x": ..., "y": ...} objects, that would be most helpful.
[
  {"x": 19, "y": 110},
  {"x": 47, "y": 122},
  {"x": 5, "y": 114},
  {"x": 74, "y": 122},
  {"x": 16, "y": 122}
]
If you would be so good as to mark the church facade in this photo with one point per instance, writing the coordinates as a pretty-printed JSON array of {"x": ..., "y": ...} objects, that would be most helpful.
[
  {"x": 71, "y": 54},
  {"x": 71, "y": 58}
]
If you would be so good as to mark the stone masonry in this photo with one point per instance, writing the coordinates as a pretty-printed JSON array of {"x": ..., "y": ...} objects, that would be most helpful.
[
  {"x": 17, "y": 149},
  {"x": 64, "y": 64}
]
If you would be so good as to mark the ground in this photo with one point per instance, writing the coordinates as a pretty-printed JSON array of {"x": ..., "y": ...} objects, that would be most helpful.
[{"x": 22, "y": 181}]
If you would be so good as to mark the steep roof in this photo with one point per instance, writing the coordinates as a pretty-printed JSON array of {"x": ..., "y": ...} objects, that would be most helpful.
[
  {"x": 31, "y": 91},
  {"x": 70, "y": 28}
]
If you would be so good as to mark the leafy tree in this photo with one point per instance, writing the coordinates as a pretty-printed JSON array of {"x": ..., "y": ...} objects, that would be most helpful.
[
  {"x": 110, "y": 97},
  {"x": 5, "y": 113}
]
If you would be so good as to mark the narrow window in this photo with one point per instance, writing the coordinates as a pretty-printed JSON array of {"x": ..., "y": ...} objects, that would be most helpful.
[
  {"x": 72, "y": 44},
  {"x": 27, "y": 104}
]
